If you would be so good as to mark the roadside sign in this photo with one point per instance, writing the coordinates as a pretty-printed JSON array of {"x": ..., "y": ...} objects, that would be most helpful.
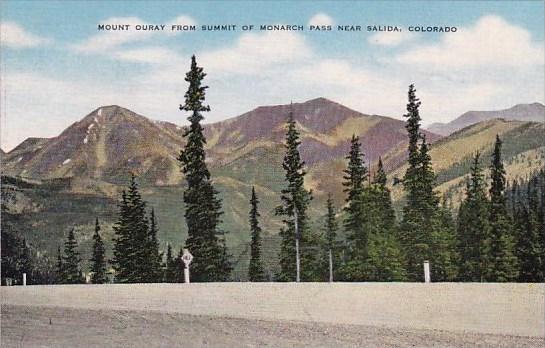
[{"x": 187, "y": 257}]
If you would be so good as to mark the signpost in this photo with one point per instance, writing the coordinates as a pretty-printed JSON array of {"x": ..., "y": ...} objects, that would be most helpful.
[
  {"x": 24, "y": 279},
  {"x": 427, "y": 277},
  {"x": 186, "y": 258}
]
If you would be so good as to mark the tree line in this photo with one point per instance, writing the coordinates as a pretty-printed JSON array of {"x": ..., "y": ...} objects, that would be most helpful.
[{"x": 497, "y": 234}]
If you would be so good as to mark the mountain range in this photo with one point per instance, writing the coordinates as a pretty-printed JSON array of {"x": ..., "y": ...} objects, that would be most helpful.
[
  {"x": 521, "y": 112},
  {"x": 68, "y": 180}
]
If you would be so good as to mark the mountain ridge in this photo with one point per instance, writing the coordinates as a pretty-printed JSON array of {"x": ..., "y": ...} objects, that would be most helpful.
[
  {"x": 534, "y": 112},
  {"x": 112, "y": 140}
]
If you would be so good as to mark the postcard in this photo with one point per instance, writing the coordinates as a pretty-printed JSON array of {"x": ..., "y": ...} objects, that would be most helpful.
[{"x": 272, "y": 173}]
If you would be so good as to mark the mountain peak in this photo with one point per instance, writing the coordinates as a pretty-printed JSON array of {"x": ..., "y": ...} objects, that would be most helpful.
[{"x": 534, "y": 112}]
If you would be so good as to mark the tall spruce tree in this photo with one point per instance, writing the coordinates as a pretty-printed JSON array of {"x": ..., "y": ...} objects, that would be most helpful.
[
  {"x": 154, "y": 257},
  {"x": 354, "y": 223},
  {"x": 384, "y": 199},
  {"x": 295, "y": 200},
  {"x": 59, "y": 270},
  {"x": 98, "y": 258},
  {"x": 473, "y": 227},
  {"x": 71, "y": 260},
  {"x": 385, "y": 259},
  {"x": 131, "y": 240},
  {"x": 417, "y": 222},
  {"x": 170, "y": 266},
  {"x": 203, "y": 207},
  {"x": 528, "y": 247},
  {"x": 331, "y": 228},
  {"x": 426, "y": 232},
  {"x": 502, "y": 266},
  {"x": 26, "y": 260},
  {"x": 256, "y": 273}
]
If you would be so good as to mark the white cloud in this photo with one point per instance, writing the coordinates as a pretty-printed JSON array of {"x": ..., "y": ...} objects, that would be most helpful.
[
  {"x": 321, "y": 19},
  {"x": 106, "y": 41},
  {"x": 391, "y": 38},
  {"x": 334, "y": 72},
  {"x": 14, "y": 36},
  {"x": 253, "y": 53},
  {"x": 158, "y": 55},
  {"x": 276, "y": 67},
  {"x": 492, "y": 41},
  {"x": 109, "y": 39}
]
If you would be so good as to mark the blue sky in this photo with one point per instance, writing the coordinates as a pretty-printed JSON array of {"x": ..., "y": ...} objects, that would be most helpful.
[{"x": 56, "y": 66}]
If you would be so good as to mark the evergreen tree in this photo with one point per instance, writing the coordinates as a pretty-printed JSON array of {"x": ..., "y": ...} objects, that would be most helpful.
[
  {"x": 473, "y": 227},
  {"x": 414, "y": 234},
  {"x": 528, "y": 247},
  {"x": 59, "y": 274},
  {"x": 380, "y": 178},
  {"x": 203, "y": 207},
  {"x": 354, "y": 179},
  {"x": 179, "y": 269},
  {"x": 384, "y": 199},
  {"x": 71, "y": 260},
  {"x": 444, "y": 258},
  {"x": 256, "y": 272},
  {"x": 154, "y": 257},
  {"x": 331, "y": 227},
  {"x": 358, "y": 236},
  {"x": 502, "y": 265},
  {"x": 131, "y": 240},
  {"x": 541, "y": 214},
  {"x": 170, "y": 267},
  {"x": 98, "y": 259},
  {"x": 26, "y": 261},
  {"x": 295, "y": 200},
  {"x": 424, "y": 227},
  {"x": 385, "y": 259},
  {"x": 13, "y": 247}
]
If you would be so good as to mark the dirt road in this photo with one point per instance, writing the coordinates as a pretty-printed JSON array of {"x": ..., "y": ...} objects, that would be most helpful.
[
  {"x": 29, "y": 326},
  {"x": 277, "y": 314}
]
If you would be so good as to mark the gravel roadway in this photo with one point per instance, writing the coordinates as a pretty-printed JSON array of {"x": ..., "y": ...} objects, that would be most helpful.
[
  {"x": 31, "y": 326},
  {"x": 274, "y": 315}
]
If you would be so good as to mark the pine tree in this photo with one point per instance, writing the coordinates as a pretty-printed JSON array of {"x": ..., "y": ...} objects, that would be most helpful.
[
  {"x": 154, "y": 257},
  {"x": 473, "y": 227},
  {"x": 179, "y": 269},
  {"x": 26, "y": 260},
  {"x": 123, "y": 262},
  {"x": 354, "y": 224},
  {"x": 295, "y": 200},
  {"x": 170, "y": 267},
  {"x": 502, "y": 265},
  {"x": 541, "y": 214},
  {"x": 13, "y": 247},
  {"x": 71, "y": 260},
  {"x": 414, "y": 234},
  {"x": 256, "y": 272},
  {"x": 330, "y": 238},
  {"x": 528, "y": 247},
  {"x": 59, "y": 274},
  {"x": 380, "y": 178},
  {"x": 384, "y": 199},
  {"x": 98, "y": 259},
  {"x": 203, "y": 207},
  {"x": 385, "y": 260},
  {"x": 131, "y": 240},
  {"x": 424, "y": 227},
  {"x": 444, "y": 258}
]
